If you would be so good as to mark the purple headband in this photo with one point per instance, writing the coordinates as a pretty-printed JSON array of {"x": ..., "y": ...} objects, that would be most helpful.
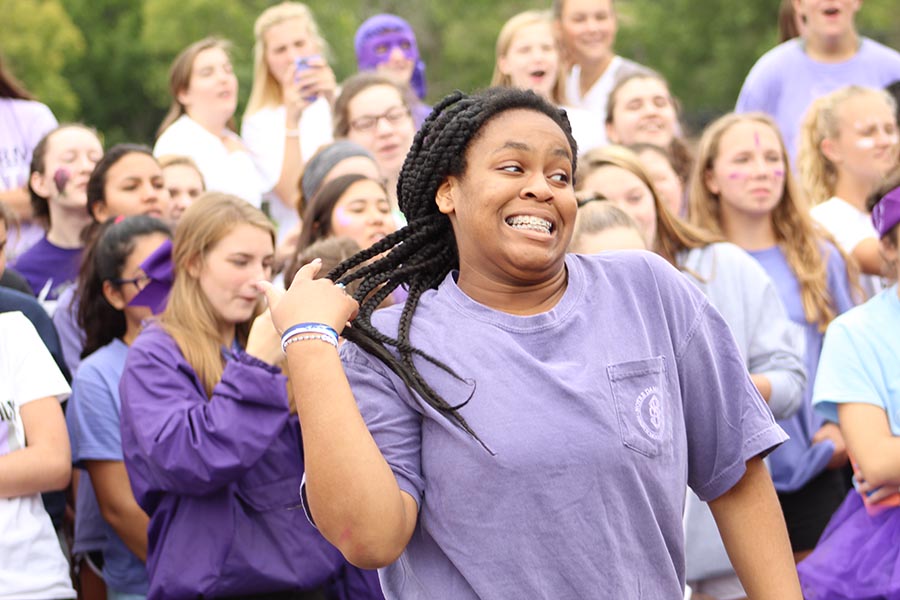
[
  {"x": 886, "y": 213},
  {"x": 158, "y": 267},
  {"x": 378, "y": 36}
]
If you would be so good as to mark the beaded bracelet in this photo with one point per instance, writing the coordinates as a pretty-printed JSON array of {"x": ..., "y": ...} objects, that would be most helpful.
[
  {"x": 301, "y": 337},
  {"x": 320, "y": 329}
]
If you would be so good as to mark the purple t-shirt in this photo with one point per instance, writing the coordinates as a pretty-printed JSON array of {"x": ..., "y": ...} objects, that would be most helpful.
[
  {"x": 46, "y": 264},
  {"x": 598, "y": 412},
  {"x": 23, "y": 123},
  {"x": 785, "y": 81},
  {"x": 797, "y": 461}
]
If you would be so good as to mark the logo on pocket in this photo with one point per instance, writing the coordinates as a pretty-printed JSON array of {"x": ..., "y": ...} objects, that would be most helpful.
[{"x": 649, "y": 411}]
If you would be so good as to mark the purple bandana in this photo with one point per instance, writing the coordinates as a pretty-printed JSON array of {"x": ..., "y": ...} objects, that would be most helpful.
[
  {"x": 157, "y": 266},
  {"x": 378, "y": 36},
  {"x": 886, "y": 213}
]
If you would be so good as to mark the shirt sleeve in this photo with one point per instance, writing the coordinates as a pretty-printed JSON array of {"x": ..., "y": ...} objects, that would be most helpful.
[
  {"x": 37, "y": 375},
  {"x": 261, "y": 141},
  {"x": 386, "y": 407},
  {"x": 843, "y": 376},
  {"x": 93, "y": 418},
  {"x": 180, "y": 442},
  {"x": 839, "y": 285},
  {"x": 727, "y": 422}
]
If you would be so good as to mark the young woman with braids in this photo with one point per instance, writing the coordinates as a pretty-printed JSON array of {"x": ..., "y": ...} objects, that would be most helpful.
[
  {"x": 525, "y": 424},
  {"x": 743, "y": 189}
]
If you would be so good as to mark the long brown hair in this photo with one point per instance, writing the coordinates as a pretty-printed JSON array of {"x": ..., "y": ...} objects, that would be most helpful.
[
  {"x": 180, "y": 77},
  {"x": 189, "y": 317},
  {"x": 799, "y": 237},
  {"x": 672, "y": 234}
]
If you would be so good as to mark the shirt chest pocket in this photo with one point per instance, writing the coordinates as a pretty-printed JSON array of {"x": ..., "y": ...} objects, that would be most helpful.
[{"x": 642, "y": 404}]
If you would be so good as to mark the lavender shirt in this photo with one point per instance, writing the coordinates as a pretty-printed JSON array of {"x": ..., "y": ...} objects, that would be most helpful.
[
  {"x": 598, "y": 413},
  {"x": 785, "y": 81},
  {"x": 796, "y": 462}
]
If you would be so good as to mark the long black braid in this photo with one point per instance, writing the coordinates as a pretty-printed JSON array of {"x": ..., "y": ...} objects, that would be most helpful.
[{"x": 420, "y": 255}]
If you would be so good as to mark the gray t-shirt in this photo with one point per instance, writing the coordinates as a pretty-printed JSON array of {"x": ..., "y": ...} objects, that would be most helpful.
[{"x": 598, "y": 412}]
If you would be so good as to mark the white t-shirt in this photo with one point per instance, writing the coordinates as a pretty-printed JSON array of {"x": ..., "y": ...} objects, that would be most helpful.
[
  {"x": 263, "y": 133},
  {"x": 588, "y": 128},
  {"x": 32, "y": 565},
  {"x": 597, "y": 97},
  {"x": 223, "y": 171},
  {"x": 849, "y": 226}
]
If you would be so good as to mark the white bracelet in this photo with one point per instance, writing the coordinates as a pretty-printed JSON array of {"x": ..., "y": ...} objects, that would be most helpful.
[
  {"x": 292, "y": 133},
  {"x": 302, "y": 337}
]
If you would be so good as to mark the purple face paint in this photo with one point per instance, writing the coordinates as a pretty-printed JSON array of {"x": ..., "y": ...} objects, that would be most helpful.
[
  {"x": 779, "y": 173},
  {"x": 61, "y": 178},
  {"x": 342, "y": 218},
  {"x": 756, "y": 138},
  {"x": 737, "y": 176}
]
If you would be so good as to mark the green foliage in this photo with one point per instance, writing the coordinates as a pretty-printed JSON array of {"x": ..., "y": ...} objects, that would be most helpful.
[
  {"x": 38, "y": 38},
  {"x": 106, "y": 62}
]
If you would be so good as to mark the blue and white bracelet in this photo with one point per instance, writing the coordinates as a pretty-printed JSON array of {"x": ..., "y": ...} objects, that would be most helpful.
[{"x": 308, "y": 331}]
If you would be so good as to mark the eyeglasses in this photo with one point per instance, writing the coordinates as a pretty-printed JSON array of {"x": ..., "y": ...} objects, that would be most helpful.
[
  {"x": 369, "y": 122},
  {"x": 139, "y": 282}
]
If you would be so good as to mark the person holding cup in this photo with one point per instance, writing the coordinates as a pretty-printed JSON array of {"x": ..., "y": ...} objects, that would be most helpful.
[{"x": 288, "y": 115}]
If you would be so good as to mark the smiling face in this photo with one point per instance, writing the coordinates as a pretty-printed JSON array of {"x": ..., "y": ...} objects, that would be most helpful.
[
  {"x": 513, "y": 209},
  {"x": 75, "y": 151},
  {"x": 532, "y": 60},
  {"x": 627, "y": 191},
  {"x": 285, "y": 42},
  {"x": 748, "y": 173},
  {"x": 588, "y": 29},
  {"x": 134, "y": 186},
  {"x": 828, "y": 18},
  {"x": 391, "y": 135},
  {"x": 230, "y": 270},
  {"x": 643, "y": 113},
  {"x": 211, "y": 95},
  {"x": 866, "y": 146},
  {"x": 363, "y": 214}
]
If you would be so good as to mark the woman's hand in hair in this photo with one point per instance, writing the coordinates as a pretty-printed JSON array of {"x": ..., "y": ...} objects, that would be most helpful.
[
  {"x": 264, "y": 342},
  {"x": 310, "y": 300}
]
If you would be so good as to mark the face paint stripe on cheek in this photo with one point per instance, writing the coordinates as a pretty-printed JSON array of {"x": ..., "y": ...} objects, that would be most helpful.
[
  {"x": 865, "y": 143},
  {"x": 342, "y": 218}
]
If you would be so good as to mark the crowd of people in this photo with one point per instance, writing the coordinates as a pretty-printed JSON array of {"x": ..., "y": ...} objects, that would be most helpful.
[{"x": 534, "y": 341}]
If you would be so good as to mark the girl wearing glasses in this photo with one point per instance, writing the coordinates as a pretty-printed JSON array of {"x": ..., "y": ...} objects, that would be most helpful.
[
  {"x": 374, "y": 112},
  {"x": 110, "y": 278}
]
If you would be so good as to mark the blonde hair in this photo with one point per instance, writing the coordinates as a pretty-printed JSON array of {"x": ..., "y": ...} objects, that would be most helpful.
[
  {"x": 818, "y": 175},
  {"x": 177, "y": 160},
  {"x": 189, "y": 317},
  {"x": 266, "y": 90},
  {"x": 180, "y": 77},
  {"x": 504, "y": 40},
  {"x": 799, "y": 237},
  {"x": 597, "y": 217},
  {"x": 672, "y": 234}
]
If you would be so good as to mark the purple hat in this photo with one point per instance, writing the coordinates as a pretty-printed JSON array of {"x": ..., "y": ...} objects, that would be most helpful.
[
  {"x": 378, "y": 36},
  {"x": 158, "y": 267},
  {"x": 886, "y": 213}
]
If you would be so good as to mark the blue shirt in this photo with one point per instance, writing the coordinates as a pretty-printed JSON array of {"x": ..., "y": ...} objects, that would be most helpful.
[
  {"x": 93, "y": 421},
  {"x": 860, "y": 359}
]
